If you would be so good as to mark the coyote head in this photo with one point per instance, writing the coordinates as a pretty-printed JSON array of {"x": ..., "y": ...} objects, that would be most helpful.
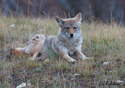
[{"x": 70, "y": 28}]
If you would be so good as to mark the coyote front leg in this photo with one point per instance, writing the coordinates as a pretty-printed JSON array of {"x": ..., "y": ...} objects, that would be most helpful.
[
  {"x": 80, "y": 55},
  {"x": 67, "y": 57}
]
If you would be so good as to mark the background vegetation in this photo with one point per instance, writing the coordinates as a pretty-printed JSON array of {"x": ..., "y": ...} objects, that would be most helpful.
[{"x": 104, "y": 10}]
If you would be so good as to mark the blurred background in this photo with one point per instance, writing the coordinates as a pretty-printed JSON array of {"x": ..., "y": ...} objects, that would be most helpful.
[{"x": 103, "y": 10}]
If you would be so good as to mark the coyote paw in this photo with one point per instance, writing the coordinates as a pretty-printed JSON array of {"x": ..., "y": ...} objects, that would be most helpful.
[
  {"x": 88, "y": 57},
  {"x": 73, "y": 61},
  {"x": 31, "y": 58},
  {"x": 83, "y": 57}
]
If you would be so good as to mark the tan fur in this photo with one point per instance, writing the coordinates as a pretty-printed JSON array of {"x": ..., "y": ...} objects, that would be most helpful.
[{"x": 63, "y": 44}]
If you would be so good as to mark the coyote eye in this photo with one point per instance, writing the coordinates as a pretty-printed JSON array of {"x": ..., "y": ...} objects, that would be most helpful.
[
  {"x": 67, "y": 27},
  {"x": 74, "y": 27}
]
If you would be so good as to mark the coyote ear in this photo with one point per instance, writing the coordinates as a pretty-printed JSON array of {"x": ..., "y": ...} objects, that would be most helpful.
[
  {"x": 78, "y": 17},
  {"x": 59, "y": 21}
]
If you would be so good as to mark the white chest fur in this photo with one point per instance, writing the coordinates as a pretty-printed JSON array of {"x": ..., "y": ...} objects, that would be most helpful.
[{"x": 71, "y": 44}]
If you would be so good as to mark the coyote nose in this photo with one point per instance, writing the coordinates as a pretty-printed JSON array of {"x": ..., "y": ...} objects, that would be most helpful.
[{"x": 71, "y": 35}]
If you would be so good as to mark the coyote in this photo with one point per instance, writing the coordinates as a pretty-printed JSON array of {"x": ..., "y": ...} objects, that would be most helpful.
[{"x": 67, "y": 42}]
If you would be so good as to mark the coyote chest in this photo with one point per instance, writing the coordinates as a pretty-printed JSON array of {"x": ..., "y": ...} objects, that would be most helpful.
[{"x": 66, "y": 44}]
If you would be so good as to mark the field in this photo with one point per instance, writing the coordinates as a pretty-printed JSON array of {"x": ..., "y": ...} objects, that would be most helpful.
[{"x": 102, "y": 42}]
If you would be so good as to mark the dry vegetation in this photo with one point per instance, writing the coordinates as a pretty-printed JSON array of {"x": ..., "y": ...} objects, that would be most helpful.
[{"x": 103, "y": 42}]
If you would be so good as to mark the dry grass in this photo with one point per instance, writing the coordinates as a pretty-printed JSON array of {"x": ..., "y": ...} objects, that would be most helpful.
[{"x": 103, "y": 42}]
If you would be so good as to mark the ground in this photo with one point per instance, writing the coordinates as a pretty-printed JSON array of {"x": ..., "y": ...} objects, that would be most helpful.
[{"x": 102, "y": 42}]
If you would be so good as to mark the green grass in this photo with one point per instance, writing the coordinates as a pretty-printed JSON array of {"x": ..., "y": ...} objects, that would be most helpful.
[{"x": 102, "y": 42}]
